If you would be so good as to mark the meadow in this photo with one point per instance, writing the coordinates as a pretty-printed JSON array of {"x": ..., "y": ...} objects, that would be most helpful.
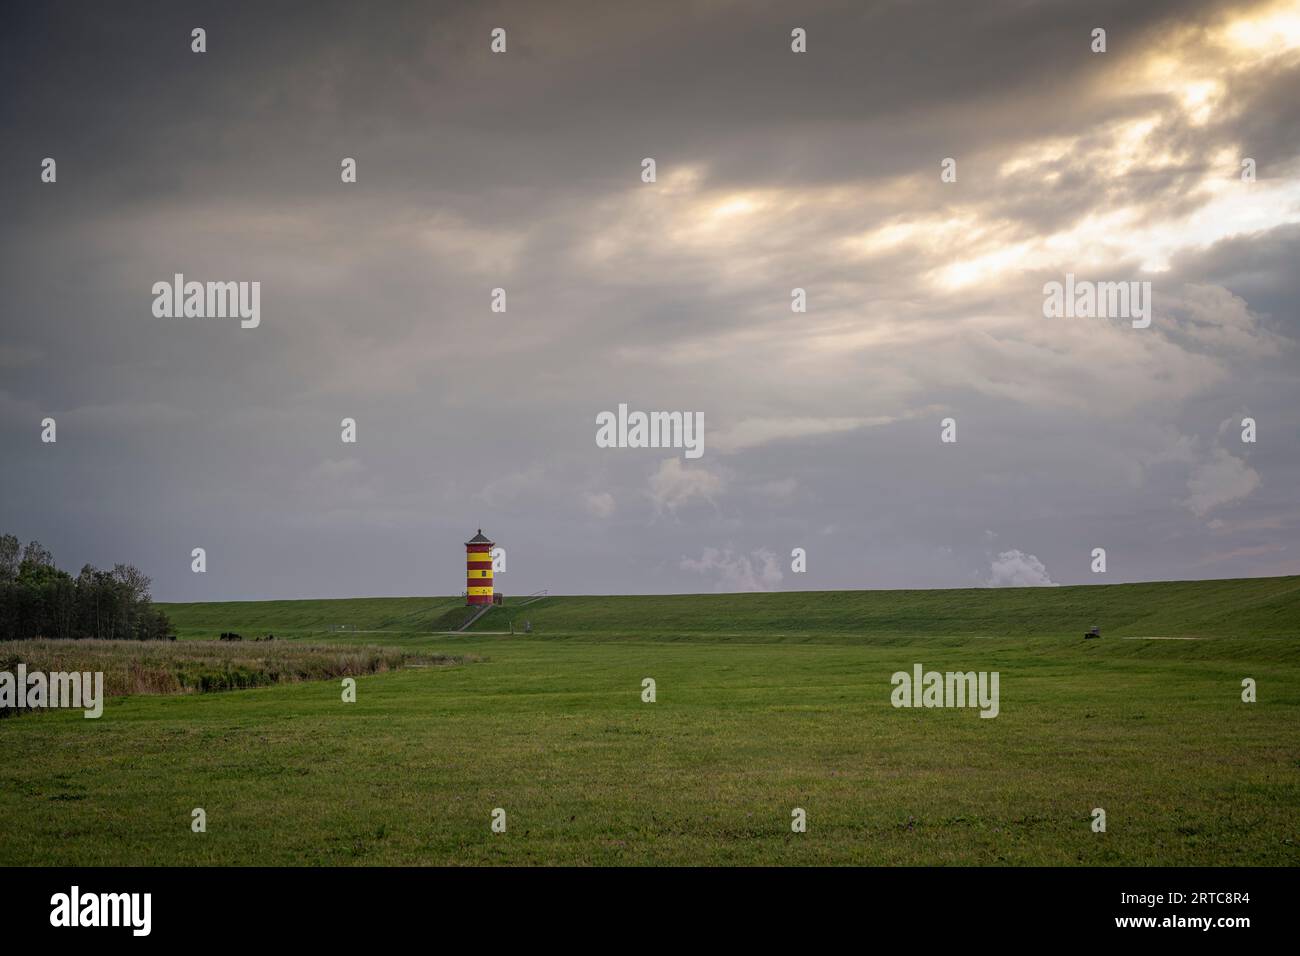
[{"x": 764, "y": 703}]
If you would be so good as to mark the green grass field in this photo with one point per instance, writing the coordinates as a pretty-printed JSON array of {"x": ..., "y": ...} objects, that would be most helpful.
[{"x": 765, "y": 702}]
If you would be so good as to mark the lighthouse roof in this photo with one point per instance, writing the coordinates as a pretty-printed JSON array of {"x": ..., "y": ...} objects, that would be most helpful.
[{"x": 479, "y": 539}]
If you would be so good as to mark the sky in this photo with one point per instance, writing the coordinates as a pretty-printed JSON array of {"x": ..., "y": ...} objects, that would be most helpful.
[{"x": 775, "y": 170}]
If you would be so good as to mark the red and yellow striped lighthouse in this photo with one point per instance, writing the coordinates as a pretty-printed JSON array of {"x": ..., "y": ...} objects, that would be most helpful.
[{"x": 478, "y": 569}]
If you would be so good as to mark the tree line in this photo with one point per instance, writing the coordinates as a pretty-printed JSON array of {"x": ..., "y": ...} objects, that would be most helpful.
[{"x": 38, "y": 600}]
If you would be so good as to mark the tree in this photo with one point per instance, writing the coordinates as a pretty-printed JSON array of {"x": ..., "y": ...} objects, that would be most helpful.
[
  {"x": 36, "y": 555},
  {"x": 39, "y": 600},
  {"x": 135, "y": 581},
  {"x": 9, "y": 557}
]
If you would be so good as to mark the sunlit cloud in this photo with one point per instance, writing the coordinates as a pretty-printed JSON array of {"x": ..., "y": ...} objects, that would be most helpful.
[{"x": 1271, "y": 32}]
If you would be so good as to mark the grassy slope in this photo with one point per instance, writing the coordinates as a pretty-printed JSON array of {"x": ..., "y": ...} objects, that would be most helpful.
[
  {"x": 1256, "y": 606},
  {"x": 296, "y": 618},
  {"x": 554, "y": 731}
]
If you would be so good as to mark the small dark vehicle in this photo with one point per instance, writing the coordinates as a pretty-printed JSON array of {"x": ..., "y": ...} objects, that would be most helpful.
[{"x": 1093, "y": 631}]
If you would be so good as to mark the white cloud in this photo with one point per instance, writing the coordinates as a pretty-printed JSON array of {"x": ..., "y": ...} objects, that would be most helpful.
[
  {"x": 1215, "y": 477},
  {"x": 1218, "y": 481},
  {"x": 756, "y": 571},
  {"x": 1214, "y": 320},
  {"x": 675, "y": 485},
  {"x": 1015, "y": 569}
]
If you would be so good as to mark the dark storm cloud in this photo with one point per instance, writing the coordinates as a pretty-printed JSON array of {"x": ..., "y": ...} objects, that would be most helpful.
[{"x": 120, "y": 92}]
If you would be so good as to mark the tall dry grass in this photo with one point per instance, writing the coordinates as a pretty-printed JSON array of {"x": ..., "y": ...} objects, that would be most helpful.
[{"x": 188, "y": 667}]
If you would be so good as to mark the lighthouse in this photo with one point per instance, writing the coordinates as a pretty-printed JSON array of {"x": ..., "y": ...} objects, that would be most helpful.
[{"x": 478, "y": 569}]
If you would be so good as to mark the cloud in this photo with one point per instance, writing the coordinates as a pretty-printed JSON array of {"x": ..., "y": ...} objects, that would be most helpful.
[
  {"x": 676, "y": 484},
  {"x": 1221, "y": 479},
  {"x": 778, "y": 489},
  {"x": 599, "y": 504},
  {"x": 818, "y": 172},
  {"x": 502, "y": 491},
  {"x": 337, "y": 481},
  {"x": 752, "y": 432},
  {"x": 1015, "y": 569},
  {"x": 1212, "y": 319},
  {"x": 756, "y": 571}
]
